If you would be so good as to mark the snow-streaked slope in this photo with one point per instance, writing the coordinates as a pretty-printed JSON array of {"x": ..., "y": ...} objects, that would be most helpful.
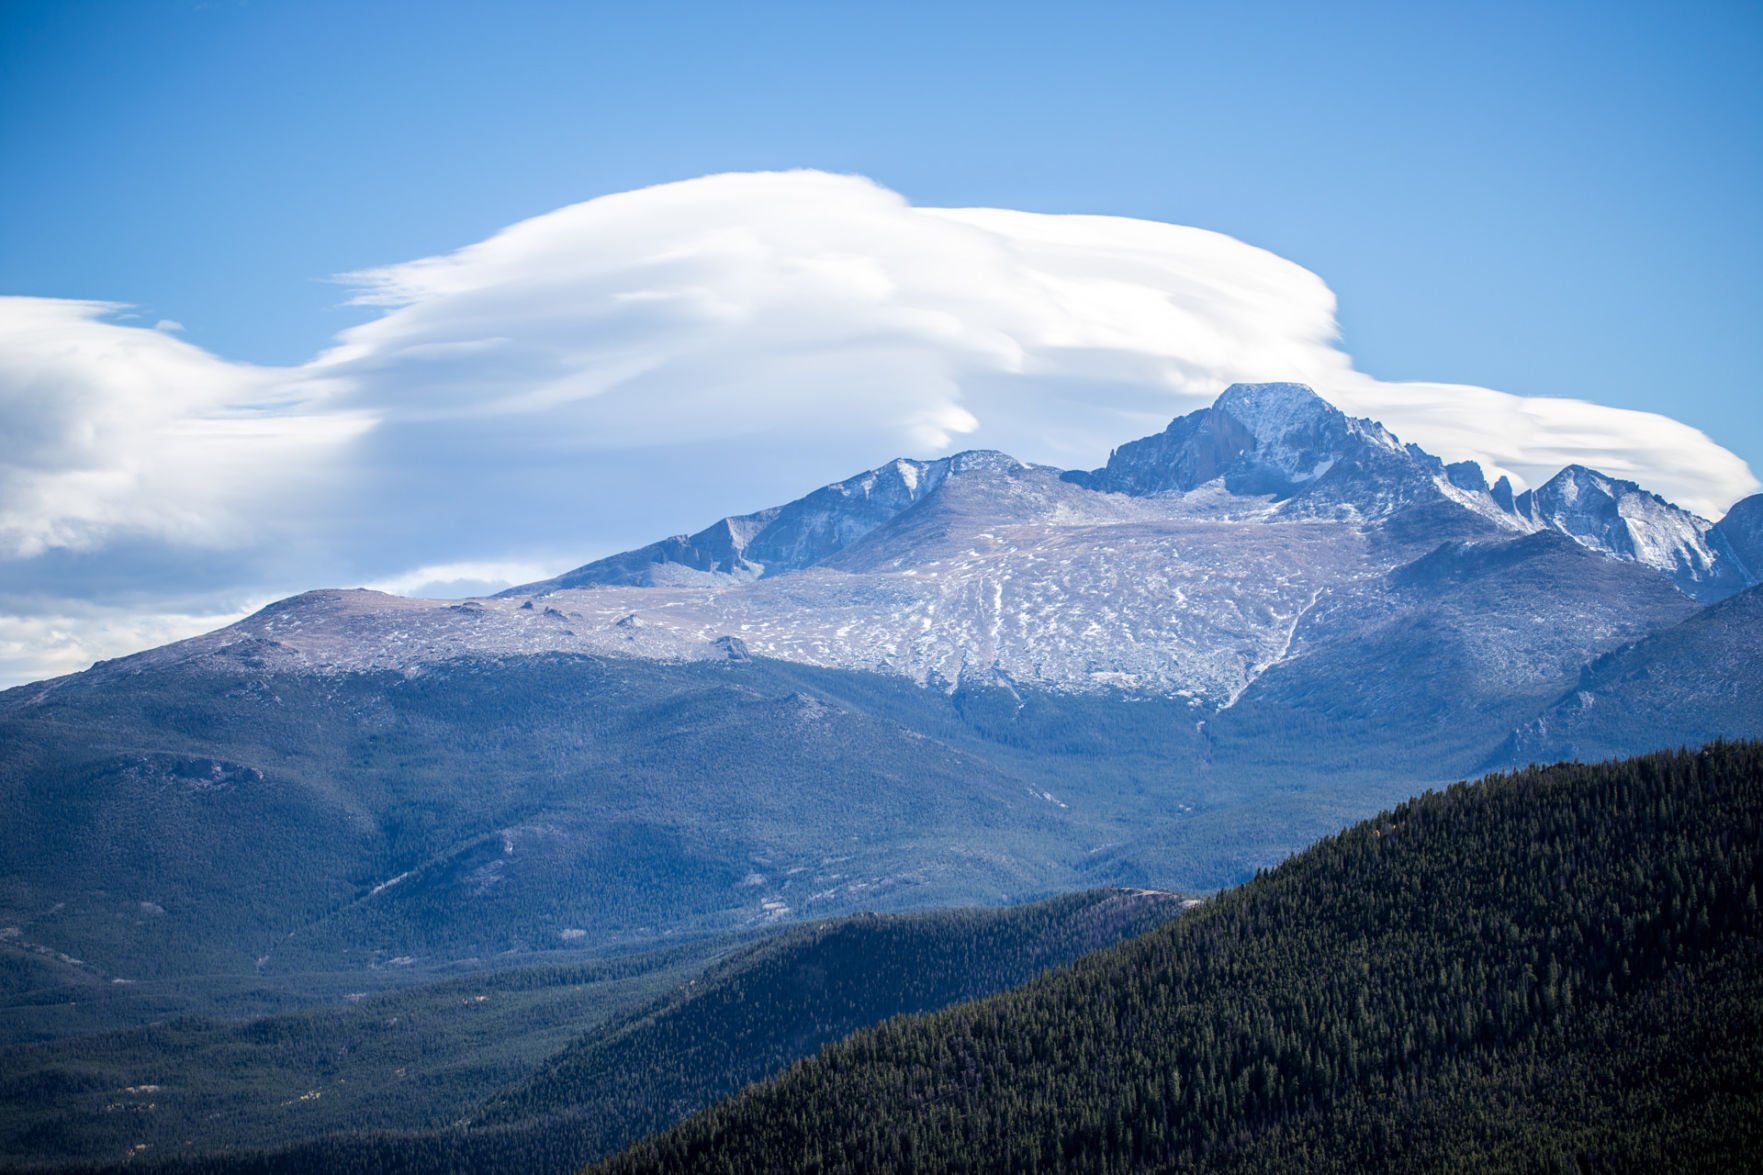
[
  {"x": 1128, "y": 594},
  {"x": 1267, "y": 528},
  {"x": 772, "y": 541}
]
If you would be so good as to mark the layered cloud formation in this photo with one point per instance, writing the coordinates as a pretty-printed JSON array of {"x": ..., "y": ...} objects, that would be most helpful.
[
  {"x": 116, "y": 431},
  {"x": 641, "y": 363}
]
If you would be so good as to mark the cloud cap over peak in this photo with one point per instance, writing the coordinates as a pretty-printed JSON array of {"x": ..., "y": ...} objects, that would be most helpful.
[
  {"x": 637, "y": 364},
  {"x": 823, "y": 308}
]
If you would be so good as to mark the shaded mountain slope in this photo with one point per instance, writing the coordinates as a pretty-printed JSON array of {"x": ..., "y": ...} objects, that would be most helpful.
[
  {"x": 1554, "y": 968},
  {"x": 188, "y": 821},
  {"x": 1695, "y": 681},
  {"x": 1742, "y": 532},
  {"x": 1469, "y": 637},
  {"x": 784, "y": 999}
]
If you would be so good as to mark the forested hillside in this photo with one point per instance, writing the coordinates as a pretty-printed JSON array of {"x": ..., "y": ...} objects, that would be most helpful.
[
  {"x": 179, "y": 827},
  {"x": 789, "y": 995},
  {"x": 400, "y": 1061},
  {"x": 421, "y": 1059},
  {"x": 1556, "y": 969}
]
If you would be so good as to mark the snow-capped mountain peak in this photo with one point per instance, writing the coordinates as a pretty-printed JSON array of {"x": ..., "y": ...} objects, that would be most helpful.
[
  {"x": 1240, "y": 540},
  {"x": 1620, "y": 518},
  {"x": 1271, "y": 411},
  {"x": 1284, "y": 443},
  {"x": 1286, "y": 419}
]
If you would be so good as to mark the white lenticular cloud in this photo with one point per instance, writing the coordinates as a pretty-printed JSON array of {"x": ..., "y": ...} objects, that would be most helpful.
[
  {"x": 1533, "y": 437},
  {"x": 806, "y": 309},
  {"x": 116, "y": 431},
  {"x": 639, "y": 364}
]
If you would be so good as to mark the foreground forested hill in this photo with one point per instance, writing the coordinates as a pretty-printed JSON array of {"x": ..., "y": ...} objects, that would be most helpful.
[
  {"x": 198, "y": 1097},
  {"x": 1560, "y": 968}
]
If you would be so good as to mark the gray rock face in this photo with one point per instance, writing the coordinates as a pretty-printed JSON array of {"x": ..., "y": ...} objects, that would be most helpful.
[
  {"x": 1621, "y": 519},
  {"x": 1281, "y": 440},
  {"x": 1467, "y": 475}
]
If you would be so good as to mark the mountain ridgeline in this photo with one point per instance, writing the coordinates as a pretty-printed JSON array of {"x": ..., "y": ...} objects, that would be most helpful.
[
  {"x": 1556, "y": 969},
  {"x": 961, "y": 681},
  {"x": 964, "y": 682},
  {"x": 773, "y": 541},
  {"x": 1280, "y": 442}
]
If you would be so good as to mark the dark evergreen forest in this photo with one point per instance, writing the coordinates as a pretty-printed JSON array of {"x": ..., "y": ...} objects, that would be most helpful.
[
  {"x": 1555, "y": 969},
  {"x": 221, "y": 1097},
  {"x": 1558, "y": 969}
]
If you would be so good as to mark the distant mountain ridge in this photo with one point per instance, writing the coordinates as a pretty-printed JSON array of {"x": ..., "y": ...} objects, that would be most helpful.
[
  {"x": 1191, "y": 564},
  {"x": 1267, "y": 534},
  {"x": 956, "y": 681},
  {"x": 773, "y": 541},
  {"x": 1278, "y": 441}
]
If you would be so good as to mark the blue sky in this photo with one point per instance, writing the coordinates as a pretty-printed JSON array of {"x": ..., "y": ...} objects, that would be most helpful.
[{"x": 1548, "y": 199}]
